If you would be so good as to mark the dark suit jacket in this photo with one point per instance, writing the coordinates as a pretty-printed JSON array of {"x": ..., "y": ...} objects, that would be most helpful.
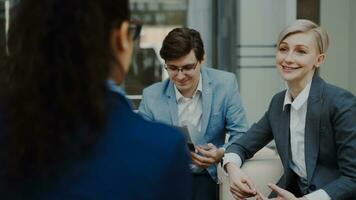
[
  {"x": 133, "y": 160},
  {"x": 330, "y": 140}
]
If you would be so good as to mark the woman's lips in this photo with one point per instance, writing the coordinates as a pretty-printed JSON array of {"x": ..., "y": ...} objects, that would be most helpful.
[{"x": 286, "y": 68}]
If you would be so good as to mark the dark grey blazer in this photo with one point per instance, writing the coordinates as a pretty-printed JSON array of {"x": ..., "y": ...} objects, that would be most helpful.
[{"x": 330, "y": 140}]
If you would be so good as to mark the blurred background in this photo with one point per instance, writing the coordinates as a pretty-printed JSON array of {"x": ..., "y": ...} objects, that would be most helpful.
[{"x": 240, "y": 37}]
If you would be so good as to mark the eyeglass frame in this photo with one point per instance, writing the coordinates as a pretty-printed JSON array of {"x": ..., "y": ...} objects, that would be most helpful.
[
  {"x": 182, "y": 68},
  {"x": 135, "y": 27}
]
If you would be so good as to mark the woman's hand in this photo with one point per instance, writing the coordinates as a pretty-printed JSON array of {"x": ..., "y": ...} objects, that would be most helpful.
[
  {"x": 241, "y": 187},
  {"x": 282, "y": 194}
]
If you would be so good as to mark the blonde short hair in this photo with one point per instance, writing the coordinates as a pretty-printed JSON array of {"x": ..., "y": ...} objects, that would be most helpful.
[{"x": 303, "y": 26}]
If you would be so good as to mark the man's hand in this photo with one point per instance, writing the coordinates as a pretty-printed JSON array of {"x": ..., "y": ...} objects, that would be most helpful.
[
  {"x": 241, "y": 187},
  {"x": 282, "y": 194},
  {"x": 207, "y": 156}
]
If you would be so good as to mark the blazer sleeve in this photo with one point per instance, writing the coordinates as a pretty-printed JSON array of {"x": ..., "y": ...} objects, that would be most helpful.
[
  {"x": 144, "y": 110},
  {"x": 253, "y": 140},
  {"x": 176, "y": 183},
  {"x": 236, "y": 122},
  {"x": 343, "y": 119}
]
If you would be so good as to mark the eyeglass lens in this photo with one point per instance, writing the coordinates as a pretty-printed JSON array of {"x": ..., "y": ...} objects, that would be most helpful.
[{"x": 135, "y": 29}]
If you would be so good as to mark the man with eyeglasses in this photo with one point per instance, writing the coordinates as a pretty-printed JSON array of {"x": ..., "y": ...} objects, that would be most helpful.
[{"x": 203, "y": 99}]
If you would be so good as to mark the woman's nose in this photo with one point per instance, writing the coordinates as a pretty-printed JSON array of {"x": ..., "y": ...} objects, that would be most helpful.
[{"x": 288, "y": 57}]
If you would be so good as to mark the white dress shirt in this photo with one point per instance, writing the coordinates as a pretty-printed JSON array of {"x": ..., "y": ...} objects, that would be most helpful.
[
  {"x": 297, "y": 132},
  {"x": 190, "y": 110},
  {"x": 298, "y": 113}
]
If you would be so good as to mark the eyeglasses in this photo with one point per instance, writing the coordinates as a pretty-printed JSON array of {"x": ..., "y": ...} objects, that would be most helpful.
[
  {"x": 135, "y": 27},
  {"x": 186, "y": 69}
]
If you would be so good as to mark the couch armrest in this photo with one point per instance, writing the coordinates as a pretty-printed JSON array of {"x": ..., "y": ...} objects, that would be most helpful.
[{"x": 263, "y": 168}]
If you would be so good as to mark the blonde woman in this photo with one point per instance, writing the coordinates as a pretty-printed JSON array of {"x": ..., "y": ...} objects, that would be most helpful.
[{"x": 312, "y": 123}]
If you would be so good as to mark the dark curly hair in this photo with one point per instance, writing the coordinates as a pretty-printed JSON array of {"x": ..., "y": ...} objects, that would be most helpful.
[{"x": 59, "y": 60}]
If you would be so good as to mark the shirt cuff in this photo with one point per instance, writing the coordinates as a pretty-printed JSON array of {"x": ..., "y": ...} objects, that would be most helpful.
[
  {"x": 233, "y": 158},
  {"x": 318, "y": 195}
]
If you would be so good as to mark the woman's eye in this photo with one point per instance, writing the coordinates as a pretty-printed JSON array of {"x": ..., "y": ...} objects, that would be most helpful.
[
  {"x": 301, "y": 51},
  {"x": 283, "y": 49}
]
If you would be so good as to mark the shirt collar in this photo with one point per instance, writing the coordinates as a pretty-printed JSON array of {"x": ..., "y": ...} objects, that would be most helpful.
[
  {"x": 199, "y": 89},
  {"x": 300, "y": 100},
  {"x": 114, "y": 87}
]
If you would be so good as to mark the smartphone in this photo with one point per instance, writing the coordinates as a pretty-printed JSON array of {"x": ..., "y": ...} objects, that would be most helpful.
[
  {"x": 184, "y": 130},
  {"x": 191, "y": 146}
]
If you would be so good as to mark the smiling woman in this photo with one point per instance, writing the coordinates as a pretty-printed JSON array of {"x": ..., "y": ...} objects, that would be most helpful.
[
  {"x": 312, "y": 123},
  {"x": 297, "y": 60},
  {"x": 300, "y": 53}
]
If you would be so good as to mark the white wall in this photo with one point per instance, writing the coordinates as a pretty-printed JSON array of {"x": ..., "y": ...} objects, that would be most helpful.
[
  {"x": 200, "y": 18},
  {"x": 352, "y": 46},
  {"x": 338, "y": 19},
  {"x": 260, "y": 23}
]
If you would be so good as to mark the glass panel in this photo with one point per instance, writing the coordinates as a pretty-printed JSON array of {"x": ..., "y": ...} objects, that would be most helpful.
[
  {"x": 2, "y": 25},
  {"x": 158, "y": 17}
]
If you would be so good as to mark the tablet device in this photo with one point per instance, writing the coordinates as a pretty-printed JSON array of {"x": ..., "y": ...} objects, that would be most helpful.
[{"x": 184, "y": 130}]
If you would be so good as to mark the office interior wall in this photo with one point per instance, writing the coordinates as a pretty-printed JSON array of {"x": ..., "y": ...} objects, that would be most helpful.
[
  {"x": 338, "y": 18},
  {"x": 200, "y": 18},
  {"x": 309, "y": 9},
  {"x": 225, "y": 31},
  {"x": 260, "y": 22},
  {"x": 257, "y": 26}
]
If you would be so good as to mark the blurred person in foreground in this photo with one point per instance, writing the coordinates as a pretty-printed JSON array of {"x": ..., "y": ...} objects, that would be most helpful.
[
  {"x": 312, "y": 123},
  {"x": 64, "y": 133}
]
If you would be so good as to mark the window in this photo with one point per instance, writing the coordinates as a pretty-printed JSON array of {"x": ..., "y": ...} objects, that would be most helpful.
[{"x": 158, "y": 17}]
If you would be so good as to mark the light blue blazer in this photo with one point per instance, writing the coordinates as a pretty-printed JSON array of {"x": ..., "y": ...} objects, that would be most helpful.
[{"x": 223, "y": 111}]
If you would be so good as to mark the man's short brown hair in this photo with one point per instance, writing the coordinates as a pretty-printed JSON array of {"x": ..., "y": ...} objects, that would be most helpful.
[{"x": 179, "y": 42}]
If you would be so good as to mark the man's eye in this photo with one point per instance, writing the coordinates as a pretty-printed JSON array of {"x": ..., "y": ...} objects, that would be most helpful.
[
  {"x": 189, "y": 67},
  {"x": 172, "y": 68}
]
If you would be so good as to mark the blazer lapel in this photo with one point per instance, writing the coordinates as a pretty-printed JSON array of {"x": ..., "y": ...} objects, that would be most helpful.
[
  {"x": 312, "y": 124},
  {"x": 284, "y": 133},
  {"x": 172, "y": 103},
  {"x": 207, "y": 96}
]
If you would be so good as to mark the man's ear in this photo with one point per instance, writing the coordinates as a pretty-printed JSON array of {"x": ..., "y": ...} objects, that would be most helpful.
[
  {"x": 320, "y": 60},
  {"x": 120, "y": 39}
]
